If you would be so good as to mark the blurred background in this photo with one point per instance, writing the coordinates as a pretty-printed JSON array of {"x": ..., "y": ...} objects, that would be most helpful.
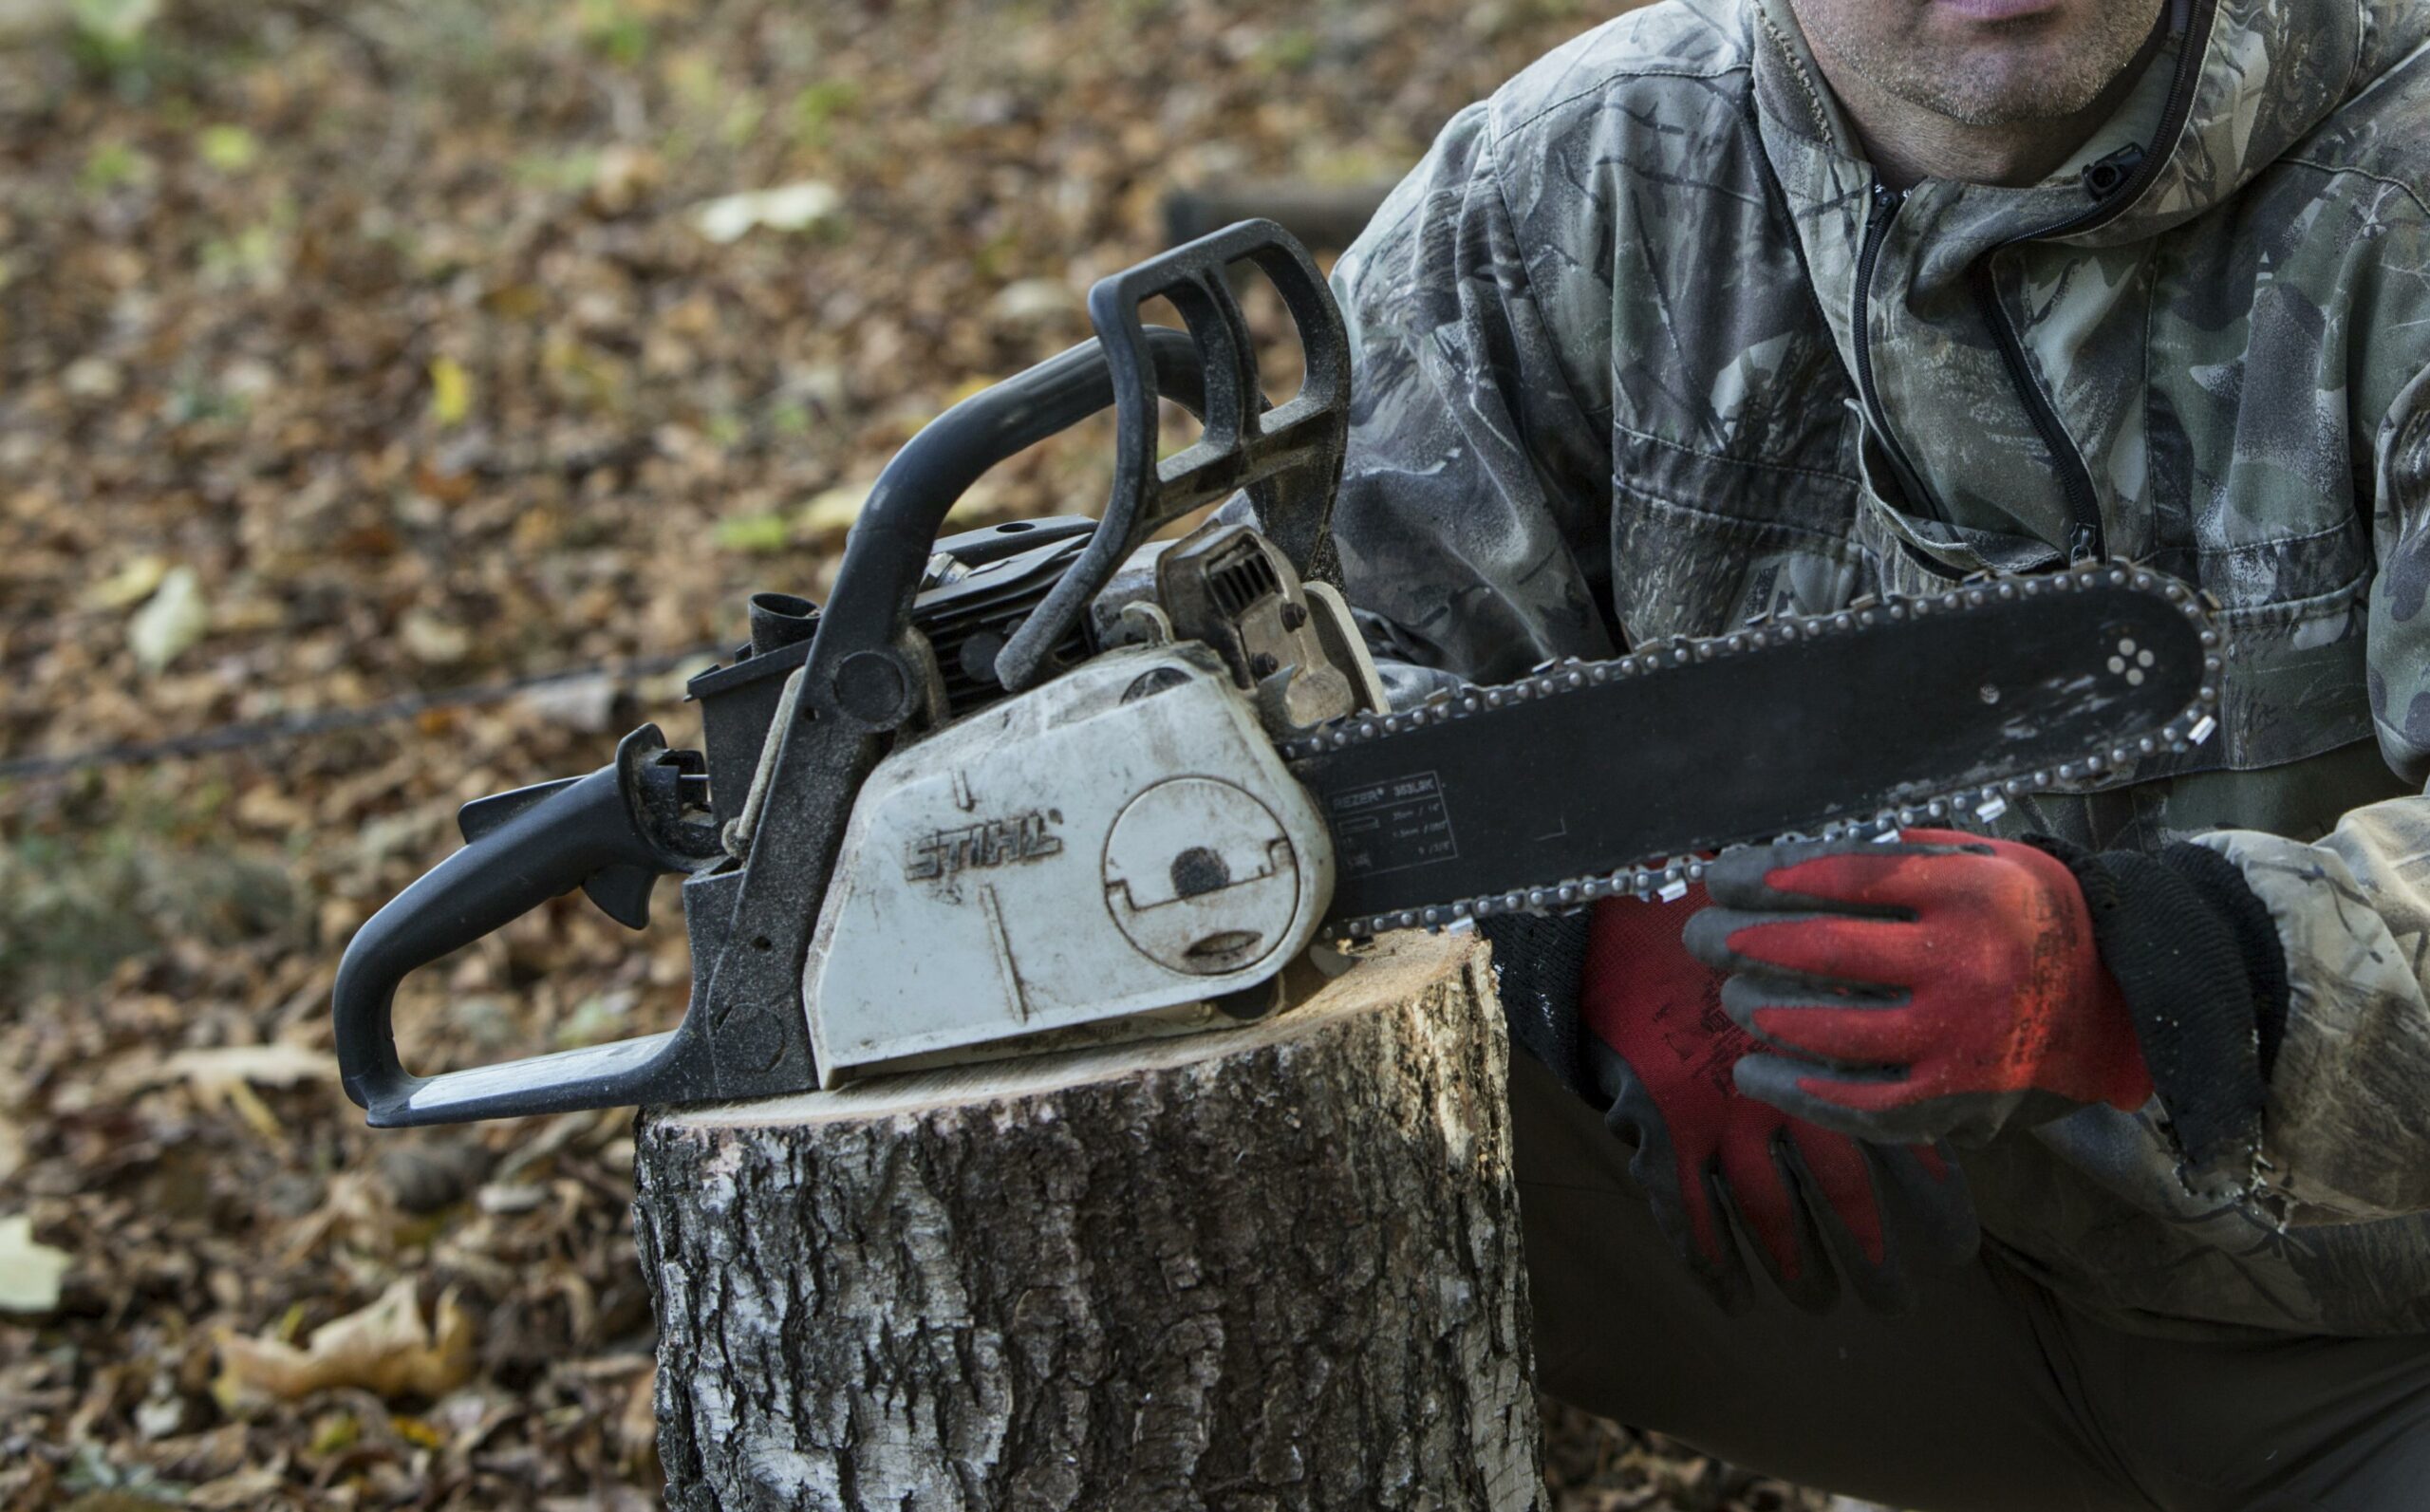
[{"x": 397, "y": 403}]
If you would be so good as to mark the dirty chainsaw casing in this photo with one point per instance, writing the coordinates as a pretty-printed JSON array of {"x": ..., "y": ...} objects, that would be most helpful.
[
  {"x": 1146, "y": 794},
  {"x": 1045, "y": 783}
]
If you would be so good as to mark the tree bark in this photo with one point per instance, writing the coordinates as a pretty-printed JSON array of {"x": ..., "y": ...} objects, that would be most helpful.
[{"x": 1269, "y": 1267}]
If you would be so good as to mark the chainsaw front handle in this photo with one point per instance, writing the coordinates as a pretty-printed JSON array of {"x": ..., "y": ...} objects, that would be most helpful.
[
  {"x": 1287, "y": 458},
  {"x": 609, "y": 834}
]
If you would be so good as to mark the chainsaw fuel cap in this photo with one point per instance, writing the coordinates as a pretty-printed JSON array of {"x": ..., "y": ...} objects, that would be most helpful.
[{"x": 1200, "y": 877}]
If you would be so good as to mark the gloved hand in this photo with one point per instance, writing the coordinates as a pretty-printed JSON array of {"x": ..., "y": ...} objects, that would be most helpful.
[
  {"x": 1811, "y": 1203},
  {"x": 1947, "y": 984}
]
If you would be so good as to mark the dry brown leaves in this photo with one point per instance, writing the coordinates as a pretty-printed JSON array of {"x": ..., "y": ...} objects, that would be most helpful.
[
  {"x": 350, "y": 351},
  {"x": 387, "y": 1349},
  {"x": 1594, "y": 1465}
]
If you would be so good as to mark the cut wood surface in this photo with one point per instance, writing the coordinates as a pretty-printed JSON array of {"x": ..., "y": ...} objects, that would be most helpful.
[{"x": 1275, "y": 1267}]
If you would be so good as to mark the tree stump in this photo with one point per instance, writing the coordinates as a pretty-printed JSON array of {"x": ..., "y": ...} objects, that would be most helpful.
[{"x": 1275, "y": 1267}]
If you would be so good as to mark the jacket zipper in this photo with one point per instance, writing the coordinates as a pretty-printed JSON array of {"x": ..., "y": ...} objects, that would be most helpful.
[
  {"x": 2192, "y": 20},
  {"x": 2085, "y": 542},
  {"x": 1886, "y": 204}
]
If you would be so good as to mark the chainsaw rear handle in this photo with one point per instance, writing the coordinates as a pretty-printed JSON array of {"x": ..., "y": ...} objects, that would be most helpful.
[
  {"x": 607, "y": 833},
  {"x": 594, "y": 832}
]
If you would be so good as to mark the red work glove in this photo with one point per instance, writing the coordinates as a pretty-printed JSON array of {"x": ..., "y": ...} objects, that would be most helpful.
[
  {"x": 1947, "y": 984},
  {"x": 1811, "y": 1203}
]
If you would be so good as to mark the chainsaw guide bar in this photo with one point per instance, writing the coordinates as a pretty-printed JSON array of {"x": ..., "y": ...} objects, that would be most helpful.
[{"x": 1575, "y": 784}]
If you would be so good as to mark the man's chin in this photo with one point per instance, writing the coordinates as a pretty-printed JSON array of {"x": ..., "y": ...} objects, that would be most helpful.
[
  {"x": 2006, "y": 92},
  {"x": 1996, "y": 12}
]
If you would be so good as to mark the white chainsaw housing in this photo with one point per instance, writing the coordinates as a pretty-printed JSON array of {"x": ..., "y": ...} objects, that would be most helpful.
[{"x": 1120, "y": 841}]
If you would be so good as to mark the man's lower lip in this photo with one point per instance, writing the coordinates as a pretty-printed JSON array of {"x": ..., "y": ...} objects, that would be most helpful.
[{"x": 1997, "y": 9}]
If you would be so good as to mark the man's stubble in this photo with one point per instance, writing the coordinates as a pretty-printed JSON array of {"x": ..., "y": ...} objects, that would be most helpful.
[{"x": 1888, "y": 44}]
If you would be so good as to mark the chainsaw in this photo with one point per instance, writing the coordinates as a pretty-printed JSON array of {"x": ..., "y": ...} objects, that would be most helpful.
[{"x": 1052, "y": 782}]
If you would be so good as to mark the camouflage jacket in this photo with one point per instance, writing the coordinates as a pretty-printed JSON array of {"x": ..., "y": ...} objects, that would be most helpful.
[{"x": 1610, "y": 338}]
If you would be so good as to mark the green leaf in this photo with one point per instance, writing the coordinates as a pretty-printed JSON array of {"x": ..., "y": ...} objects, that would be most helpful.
[
  {"x": 113, "y": 165},
  {"x": 451, "y": 391},
  {"x": 115, "y": 21},
  {"x": 755, "y": 534},
  {"x": 230, "y": 149}
]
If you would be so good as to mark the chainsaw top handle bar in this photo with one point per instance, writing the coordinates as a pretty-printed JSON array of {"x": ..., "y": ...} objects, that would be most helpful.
[{"x": 1287, "y": 459}]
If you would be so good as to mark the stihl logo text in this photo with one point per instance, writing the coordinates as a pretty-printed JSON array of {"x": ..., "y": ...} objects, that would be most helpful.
[{"x": 947, "y": 853}]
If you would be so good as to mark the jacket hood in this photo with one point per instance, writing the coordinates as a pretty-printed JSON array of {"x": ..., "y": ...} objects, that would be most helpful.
[{"x": 2239, "y": 83}]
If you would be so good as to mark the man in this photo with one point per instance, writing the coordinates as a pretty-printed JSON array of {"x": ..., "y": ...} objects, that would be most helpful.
[{"x": 1736, "y": 307}]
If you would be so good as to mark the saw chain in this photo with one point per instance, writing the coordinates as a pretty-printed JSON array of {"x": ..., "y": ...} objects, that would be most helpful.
[{"x": 1567, "y": 787}]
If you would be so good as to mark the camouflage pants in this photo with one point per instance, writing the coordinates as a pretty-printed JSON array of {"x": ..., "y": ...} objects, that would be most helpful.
[{"x": 1990, "y": 1396}]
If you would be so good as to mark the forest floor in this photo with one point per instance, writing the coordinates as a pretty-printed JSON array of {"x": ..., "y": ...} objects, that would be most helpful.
[{"x": 357, "y": 353}]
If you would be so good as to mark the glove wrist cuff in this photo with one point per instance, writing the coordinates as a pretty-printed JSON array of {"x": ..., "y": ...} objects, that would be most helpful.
[{"x": 2198, "y": 964}]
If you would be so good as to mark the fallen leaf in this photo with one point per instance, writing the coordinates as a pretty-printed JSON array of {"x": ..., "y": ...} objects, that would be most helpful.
[
  {"x": 385, "y": 1349},
  {"x": 171, "y": 620},
  {"x": 270, "y": 805},
  {"x": 247, "y": 615},
  {"x": 336, "y": 1434},
  {"x": 754, "y": 533},
  {"x": 30, "y": 1273},
  {"x": 271, "y": 1065},
  {"x": 222, "y": 1078},
  {"x": 971, "y": 387},
  {"x": 92, "y": 378},
  {"x": 230, "y": 149},
  {"x": 426, "y": 1178},
  {"x": 637, "y": 1425},
  {"x": 431, "y": 639},
  {"x": 831, "y": 512},
  {"x": 585, "y": 703},
  {"x": 451, "y": 391},
  {"x": 246, "y": 1104},
  {"x": 625, "y": 173},
  {"x": 793, "y": 207},
  {"x": 129, "y": 586},
  {"x": 1032, "y": 300},
  {"x": 602, "y": 1016},
  {"x": 248, "y": 1487},
  {"x": 159, "y": 1416}
]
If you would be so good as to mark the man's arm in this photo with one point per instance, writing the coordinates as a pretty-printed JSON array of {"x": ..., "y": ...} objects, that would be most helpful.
[
  {"x": 1474, "y": 514},
  {"x": 2345, "y": 1051}
]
